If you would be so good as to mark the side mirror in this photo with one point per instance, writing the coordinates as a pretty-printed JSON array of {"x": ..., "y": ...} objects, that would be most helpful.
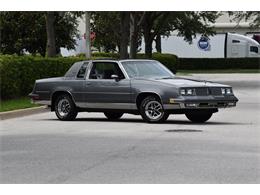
[{"x": 114, "y": 76}]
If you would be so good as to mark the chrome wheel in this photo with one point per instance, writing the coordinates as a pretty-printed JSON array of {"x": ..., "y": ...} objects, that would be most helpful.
[
  {"x": 154, "y": 110},
  {"x": 63, "y": 107}
]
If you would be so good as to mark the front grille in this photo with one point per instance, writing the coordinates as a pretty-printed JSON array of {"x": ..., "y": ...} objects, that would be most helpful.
[
  {"x": 215, "y": 91},
  {"x": 203, "y": 91}
]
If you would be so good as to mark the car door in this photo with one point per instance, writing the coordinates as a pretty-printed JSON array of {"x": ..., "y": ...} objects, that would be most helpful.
[{"x": 101, "y": 91}]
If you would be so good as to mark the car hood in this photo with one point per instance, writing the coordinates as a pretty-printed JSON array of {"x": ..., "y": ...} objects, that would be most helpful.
[{"x": 186, "y": 82}]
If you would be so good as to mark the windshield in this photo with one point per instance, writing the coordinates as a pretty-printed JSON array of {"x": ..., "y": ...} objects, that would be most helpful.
[{"x": 146, "y": 69}]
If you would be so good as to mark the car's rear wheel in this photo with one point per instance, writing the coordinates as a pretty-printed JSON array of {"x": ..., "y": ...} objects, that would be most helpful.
[
  {"x": 65, "y": 108},
  {"x": 113, "y": 115},
  {"x": 200, "y": 116},
  {"x": 152, "y": 111}
]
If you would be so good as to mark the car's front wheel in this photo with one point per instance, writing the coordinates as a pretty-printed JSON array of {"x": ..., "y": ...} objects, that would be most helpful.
[
  {"x": 113, "y": 115},
  {"x": 65, "y": 108},
  {"x": 200, "y": 116},
  {"x": 152, "y": 111}
]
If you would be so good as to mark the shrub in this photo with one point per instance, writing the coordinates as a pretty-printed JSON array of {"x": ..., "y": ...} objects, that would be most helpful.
[{"x": 18, "y": 73}]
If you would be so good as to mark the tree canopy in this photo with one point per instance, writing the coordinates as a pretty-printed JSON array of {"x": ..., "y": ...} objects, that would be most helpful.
[
  {"x": 26, "y": 31},
  {"x": 151, "y": 25},
  {"x": 253, "y": 16}
]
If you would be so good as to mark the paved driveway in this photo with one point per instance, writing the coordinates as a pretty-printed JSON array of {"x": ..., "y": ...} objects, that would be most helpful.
[{"x": 41, "y": 149}]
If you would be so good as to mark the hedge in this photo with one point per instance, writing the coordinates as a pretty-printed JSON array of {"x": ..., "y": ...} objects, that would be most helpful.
[
  {"x": 18, "y": 73},
  {"x": 218, "y": 63}
]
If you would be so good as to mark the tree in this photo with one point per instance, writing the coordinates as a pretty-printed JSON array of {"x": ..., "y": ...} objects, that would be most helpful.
[
  {"x": 136, "y": 19},
  {"x": 187, "y": 24},
  {"x": 112, "y": 31},
  {"x": 26, "y": 31},
  {"x": 106, "y": 26},
  {"x": 51, "y": 45},
  {"x": 124, "y": 30},
  {"x": 252, "y": 16}
]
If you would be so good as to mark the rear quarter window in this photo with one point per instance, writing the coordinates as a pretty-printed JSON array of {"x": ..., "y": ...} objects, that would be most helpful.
[{"x": 82, "y": 71}]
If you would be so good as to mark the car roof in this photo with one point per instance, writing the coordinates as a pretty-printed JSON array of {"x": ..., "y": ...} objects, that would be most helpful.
[
  {"x": 114, "y": 60},
  {"x": 133, "y": 60},
  {"x": 119, "y": 60}
]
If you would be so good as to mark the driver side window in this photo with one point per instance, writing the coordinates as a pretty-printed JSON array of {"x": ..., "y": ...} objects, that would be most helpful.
[{"x": 104, "y": 70}]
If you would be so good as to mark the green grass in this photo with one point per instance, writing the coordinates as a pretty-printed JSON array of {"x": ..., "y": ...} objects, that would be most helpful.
[
  {"x": 15, "y": 104},
  {"x": 185, "y": 72}
]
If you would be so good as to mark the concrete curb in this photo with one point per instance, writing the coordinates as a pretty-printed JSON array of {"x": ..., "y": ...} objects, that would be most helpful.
[{"x": 22, "y": 112}]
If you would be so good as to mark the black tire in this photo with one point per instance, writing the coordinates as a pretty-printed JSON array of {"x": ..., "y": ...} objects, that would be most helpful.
[
  {"x": 147, "y": 114},
  {"x": 65, "y": 108},
  {"x": 200, "y": 116},
  {"x": 113, "y": 115}
]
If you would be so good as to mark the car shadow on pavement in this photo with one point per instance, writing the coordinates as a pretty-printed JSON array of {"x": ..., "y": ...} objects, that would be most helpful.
[{"x": 124, "y": 120}]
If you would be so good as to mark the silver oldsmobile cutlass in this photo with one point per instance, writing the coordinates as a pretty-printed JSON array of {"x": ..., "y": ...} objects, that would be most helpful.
[{"x": 144, "y": 87}]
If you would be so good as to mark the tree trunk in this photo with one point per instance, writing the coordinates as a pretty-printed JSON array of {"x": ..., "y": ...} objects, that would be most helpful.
[
  {"x": 51, "y": 45},
  {"x": 125, "y": 19},
  {"x": 87, "y": 31},
  {"x": 158, "y": 44},
  {"x": 148, "y": 48},
  {"x": 133, "y": 35},
  {"x": 148, "y": 40}
]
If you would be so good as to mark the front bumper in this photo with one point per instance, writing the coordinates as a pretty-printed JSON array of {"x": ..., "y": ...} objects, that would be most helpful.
[{"x": 201, "y": 102}]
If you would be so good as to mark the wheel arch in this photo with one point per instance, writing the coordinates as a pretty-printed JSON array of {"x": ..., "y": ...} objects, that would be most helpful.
[
  {"x": 142, "y": 95},
  {"x": 56, "y": 94}
]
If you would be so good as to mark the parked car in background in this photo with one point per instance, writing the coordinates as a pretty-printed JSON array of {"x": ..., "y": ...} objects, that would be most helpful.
[{"x": 144, "y": 87}]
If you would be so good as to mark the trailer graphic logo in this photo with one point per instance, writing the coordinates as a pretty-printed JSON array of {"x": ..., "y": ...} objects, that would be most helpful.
[{"x": 204, "y": 44}]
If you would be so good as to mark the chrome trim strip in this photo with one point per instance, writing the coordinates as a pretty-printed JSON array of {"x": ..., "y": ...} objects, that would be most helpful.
[
  {"x": 171, "y": 106},
  {"x": 101, "y": 92},
  {"x": 42, "y": 92},
  {"x": 126, "y": 106},
  {"x": 182, "y": 106}
]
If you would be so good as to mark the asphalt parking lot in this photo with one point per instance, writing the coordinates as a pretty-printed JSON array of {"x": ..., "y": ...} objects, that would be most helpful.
[{"x": 41, "y": 149}]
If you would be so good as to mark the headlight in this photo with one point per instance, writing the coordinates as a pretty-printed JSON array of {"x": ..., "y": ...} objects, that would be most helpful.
[
  {"x": 183, "y": 92},
  {"x": 187, "y": 91},
  {"x": 226, "y": 91}
]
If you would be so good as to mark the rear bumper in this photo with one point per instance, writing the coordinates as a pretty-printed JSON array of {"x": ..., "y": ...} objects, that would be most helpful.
[
  {"x": 36, "y": 100},
  {"x": 203, "y": 102}
]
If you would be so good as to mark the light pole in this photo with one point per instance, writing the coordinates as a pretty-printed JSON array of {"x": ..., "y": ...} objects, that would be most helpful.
[{"x": 88, "y": 42}]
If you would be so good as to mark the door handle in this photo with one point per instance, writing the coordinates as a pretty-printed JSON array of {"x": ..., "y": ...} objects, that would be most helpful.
[{"x": 88, "y": 83}]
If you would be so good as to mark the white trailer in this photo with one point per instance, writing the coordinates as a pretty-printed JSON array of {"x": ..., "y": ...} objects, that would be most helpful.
[{"x": 226, "y": 45}]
